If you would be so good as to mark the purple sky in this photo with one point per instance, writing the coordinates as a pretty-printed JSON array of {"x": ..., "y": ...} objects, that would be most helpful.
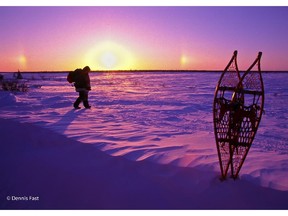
[{"x": 64, "y": 38}]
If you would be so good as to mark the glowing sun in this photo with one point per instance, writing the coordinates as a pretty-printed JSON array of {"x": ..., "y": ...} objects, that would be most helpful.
[{"x": 109, "y": 55}]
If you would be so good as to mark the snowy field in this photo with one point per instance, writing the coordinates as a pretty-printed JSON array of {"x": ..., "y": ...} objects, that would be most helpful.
[{"x": 147, "y": 143}]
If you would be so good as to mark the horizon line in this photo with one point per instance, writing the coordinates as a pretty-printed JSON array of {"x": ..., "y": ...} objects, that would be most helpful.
[{"x": 136, "y": 70}]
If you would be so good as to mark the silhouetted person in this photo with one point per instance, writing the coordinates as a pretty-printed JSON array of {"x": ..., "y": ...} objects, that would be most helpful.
[
  {"x": 18, "y": 75},
  {"x": 82, "y": 85}
]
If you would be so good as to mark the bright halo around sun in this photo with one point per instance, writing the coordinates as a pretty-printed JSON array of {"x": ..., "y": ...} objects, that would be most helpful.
[
  {"x": 184, "y": 60},
  {"x": 109, "y": 55},
  {"x": 22, "y": 61},
  {"x": 187, "y": 61}
]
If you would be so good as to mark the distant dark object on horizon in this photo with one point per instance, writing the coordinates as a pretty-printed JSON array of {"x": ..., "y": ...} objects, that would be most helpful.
[{"x": 15, "y": 84}]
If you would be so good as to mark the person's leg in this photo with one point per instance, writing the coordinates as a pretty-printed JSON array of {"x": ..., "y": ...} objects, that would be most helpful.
[
  {"x": 85, "y": 100},
  {"x": 78, "y": 101}
]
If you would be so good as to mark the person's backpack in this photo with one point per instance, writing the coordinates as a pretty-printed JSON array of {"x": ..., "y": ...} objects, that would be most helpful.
[{"x": 72, "y": 75}]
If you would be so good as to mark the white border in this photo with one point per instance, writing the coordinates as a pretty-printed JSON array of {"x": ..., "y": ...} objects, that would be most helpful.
[{"x": 145, "y": 212}]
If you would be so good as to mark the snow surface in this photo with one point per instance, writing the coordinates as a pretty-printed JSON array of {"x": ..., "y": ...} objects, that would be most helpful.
[{"x": 147, "y": 143}]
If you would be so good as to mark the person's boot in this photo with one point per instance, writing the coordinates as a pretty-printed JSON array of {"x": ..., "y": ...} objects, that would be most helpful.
[
  {"x": 86, "y": 105},
  {"x": 76, "y": 104}
]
